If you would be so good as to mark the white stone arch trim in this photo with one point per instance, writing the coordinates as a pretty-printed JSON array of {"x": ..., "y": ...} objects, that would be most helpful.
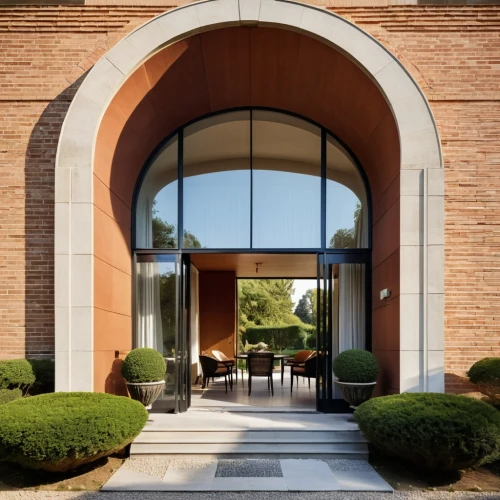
[{"x": 422, "y": 180}]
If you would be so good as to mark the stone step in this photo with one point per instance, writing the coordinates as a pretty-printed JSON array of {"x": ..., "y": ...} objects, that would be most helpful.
[
  {"x": 250, "y": 436},
  {"x": 345, "y": 450}
]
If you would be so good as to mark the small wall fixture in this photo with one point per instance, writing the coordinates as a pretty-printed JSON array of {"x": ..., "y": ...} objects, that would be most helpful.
[
  {"x": 257, "y": 264},
  {"x": 385, "y": 294}
]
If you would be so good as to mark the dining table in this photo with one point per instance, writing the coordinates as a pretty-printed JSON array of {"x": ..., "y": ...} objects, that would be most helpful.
[{"x": 279, "y": 357}]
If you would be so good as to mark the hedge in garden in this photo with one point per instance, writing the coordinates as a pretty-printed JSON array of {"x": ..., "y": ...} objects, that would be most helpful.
[
  {"x": 61, "y": 431},
  {"x": 279, "y": 337},
  {"x": 485, "y": 373},
  {"x": 356, "y": 366},
  {"x": 44, "y": 371},
  {"x": 16, "y": 373},
  {"x": 434, "y": 431},
  {"x": 143, "y": 365},
  {"x": 8, "y": 395}
]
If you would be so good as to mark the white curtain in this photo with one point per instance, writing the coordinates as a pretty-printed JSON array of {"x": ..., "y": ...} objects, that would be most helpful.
[
  {"x": 351, "y": 281},
  {"x": 194, "y": 312},
  {"x": 148, "y": 332}
]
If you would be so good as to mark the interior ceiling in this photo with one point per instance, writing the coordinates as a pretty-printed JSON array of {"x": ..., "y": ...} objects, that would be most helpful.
[{"x": 270, "y": 265}]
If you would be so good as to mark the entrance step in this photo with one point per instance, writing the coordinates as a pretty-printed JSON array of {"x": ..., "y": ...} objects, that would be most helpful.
[{"x": 272, "y": 434}]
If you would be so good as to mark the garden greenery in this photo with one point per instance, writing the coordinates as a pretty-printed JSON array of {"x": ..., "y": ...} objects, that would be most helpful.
[
  {"x": 434, "y": 431},
  {"x": 279, "y": 338},
  {"x": 143, "y": 365},
  {"x": 16, "y": 373},
  {"x": 60, "y": 431},
  {"x": 8, "y": 395},
  {"x": 485, "y": 373},
  {"x": 356, "y": 366}
]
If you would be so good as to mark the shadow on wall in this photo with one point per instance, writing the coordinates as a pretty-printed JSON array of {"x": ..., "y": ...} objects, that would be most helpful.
[
  {"x": 115, "y": 384},
  {"x": 456, "y": 384},
  {"x": 39, "y": 175}
]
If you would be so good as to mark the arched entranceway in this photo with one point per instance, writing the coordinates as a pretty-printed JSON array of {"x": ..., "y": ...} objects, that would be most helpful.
[{"x": 224, "y": 54}]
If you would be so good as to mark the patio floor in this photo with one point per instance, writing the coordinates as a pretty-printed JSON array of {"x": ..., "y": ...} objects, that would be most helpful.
[{"x": 302, "y": 398}]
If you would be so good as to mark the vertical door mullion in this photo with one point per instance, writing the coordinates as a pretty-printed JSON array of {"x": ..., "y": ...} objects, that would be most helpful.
[{"x": 180, "y": 189}]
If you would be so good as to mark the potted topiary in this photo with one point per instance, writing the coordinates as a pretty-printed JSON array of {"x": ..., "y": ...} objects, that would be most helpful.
[
  {"x": 144, "y": 372},
  {"x": 356, "y": 372}
]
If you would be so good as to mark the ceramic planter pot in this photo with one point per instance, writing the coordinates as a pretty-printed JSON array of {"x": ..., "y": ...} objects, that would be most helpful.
[
  {"x": 146, "y": 392},
  {"x": 356, "y": 394}
]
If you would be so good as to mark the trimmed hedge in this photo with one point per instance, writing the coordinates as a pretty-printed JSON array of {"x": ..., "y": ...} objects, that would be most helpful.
[
  {"x": 44, "y": 371},
  {"x": 16, "y": 373},
  {"x": 485, "y": 373},
  {"x": 61, "y": 431},
  {"x": 279, "y": 337},
  {"x": 434, "y": 431},
  {"x": 143, "y": 365},
  {"x": 8, "y": 395},
  {"x": 356, "y": 365}
]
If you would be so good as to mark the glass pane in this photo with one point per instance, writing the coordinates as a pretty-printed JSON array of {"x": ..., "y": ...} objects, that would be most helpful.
[
  {"x": 157, "y": 206},
  {"x": 346, "y": 213},
  {"x": 156, "y": 315},
  {"x": 217, "y": 182},
  {"x": 286, "y": 182}
]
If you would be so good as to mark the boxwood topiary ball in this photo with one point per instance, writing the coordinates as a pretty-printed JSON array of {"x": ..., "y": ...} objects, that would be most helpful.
[
  {"x": 356, "y": 366},
  {"x": 485, "y": 370},
  {"x": 143, "y": 365},
  {"x": 434, "y": 431},
  {"x": 63, "y": 430}
]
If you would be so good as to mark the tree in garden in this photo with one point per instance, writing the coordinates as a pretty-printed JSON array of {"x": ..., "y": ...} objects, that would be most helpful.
[
  {"x": 307, "y": 307},
  {"x": 266, "y": 302},
  {"x": 165, "y": 234},
  {"x": 343, "y": 237}
]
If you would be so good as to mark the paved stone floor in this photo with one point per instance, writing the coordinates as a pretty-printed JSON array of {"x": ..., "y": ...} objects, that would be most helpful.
[
  {"x": 278, "y": 495},
  {"x": 160, "y": 474}
]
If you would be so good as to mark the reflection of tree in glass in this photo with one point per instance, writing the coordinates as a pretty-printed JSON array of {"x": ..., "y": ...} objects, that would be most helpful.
[
  {"x": 343, "y": 237},
  {"x": 165, "y": 234},
  {"x": 168, "y": 311}
]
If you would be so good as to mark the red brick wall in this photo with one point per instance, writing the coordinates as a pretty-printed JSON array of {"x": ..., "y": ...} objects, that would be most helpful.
[{"x": 453, "y": 53}]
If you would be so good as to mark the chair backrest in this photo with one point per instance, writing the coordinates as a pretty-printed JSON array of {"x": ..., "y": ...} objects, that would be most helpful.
[
  {"x": 310, "y": 365},
  {"x": 260, "y": 364},
  {"x": 301, "y": 356},
  {"x": 209, "y": 365},
  {"x": 219, "y": 355}
]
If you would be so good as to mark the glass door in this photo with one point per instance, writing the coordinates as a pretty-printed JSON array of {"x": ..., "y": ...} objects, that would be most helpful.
[
  {"x": 343, "y": 306},
  {"x": 161, "y": 322},
  {"x": 183, "y": 338}
]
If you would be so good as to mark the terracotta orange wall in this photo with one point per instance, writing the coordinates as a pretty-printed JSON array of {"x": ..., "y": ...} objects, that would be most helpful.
[
  {"x": 224, "y": 69},
  {"x": 217, "y": 311}
]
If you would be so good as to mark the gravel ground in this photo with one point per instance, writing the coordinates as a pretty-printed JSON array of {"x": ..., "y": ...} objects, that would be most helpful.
[
  {"x": 442, "y": 495},
  {"x": 248, "y": 468},
  {"x": 337, "y": 464},
  {"x": 157, "y": 466}
]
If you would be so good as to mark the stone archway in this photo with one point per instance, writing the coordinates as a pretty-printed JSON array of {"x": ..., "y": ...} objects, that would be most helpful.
[{"x": 393, "y": 134}]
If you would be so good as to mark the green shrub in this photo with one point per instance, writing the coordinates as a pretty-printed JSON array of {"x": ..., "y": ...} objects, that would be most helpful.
[
  {"x": 485, "y": 370},
  {"x": 143, "y": 365},
  {"x": 485, "y": 373},
  {"x": 8, "y": 395},
  {"x": 60, "y": 431},
  {"x": 44, "y": 371},
  {"x": 16, "y": 373},
  {"x": 356, "y": 365},
  {"x": 278, "y": 338},
  {"x": 434, "y": 431}
]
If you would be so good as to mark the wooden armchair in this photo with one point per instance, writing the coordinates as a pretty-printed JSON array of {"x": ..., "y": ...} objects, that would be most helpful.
[
  {"x": 212, "y": 368},
  {"x": 306, "y": 370}
]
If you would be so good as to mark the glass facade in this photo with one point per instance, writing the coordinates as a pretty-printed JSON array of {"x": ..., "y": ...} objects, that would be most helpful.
[{"x": 252, "y": 179}]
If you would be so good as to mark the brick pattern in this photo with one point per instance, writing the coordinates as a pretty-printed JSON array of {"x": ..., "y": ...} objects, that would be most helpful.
[{"x": 452, "y": 51}]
